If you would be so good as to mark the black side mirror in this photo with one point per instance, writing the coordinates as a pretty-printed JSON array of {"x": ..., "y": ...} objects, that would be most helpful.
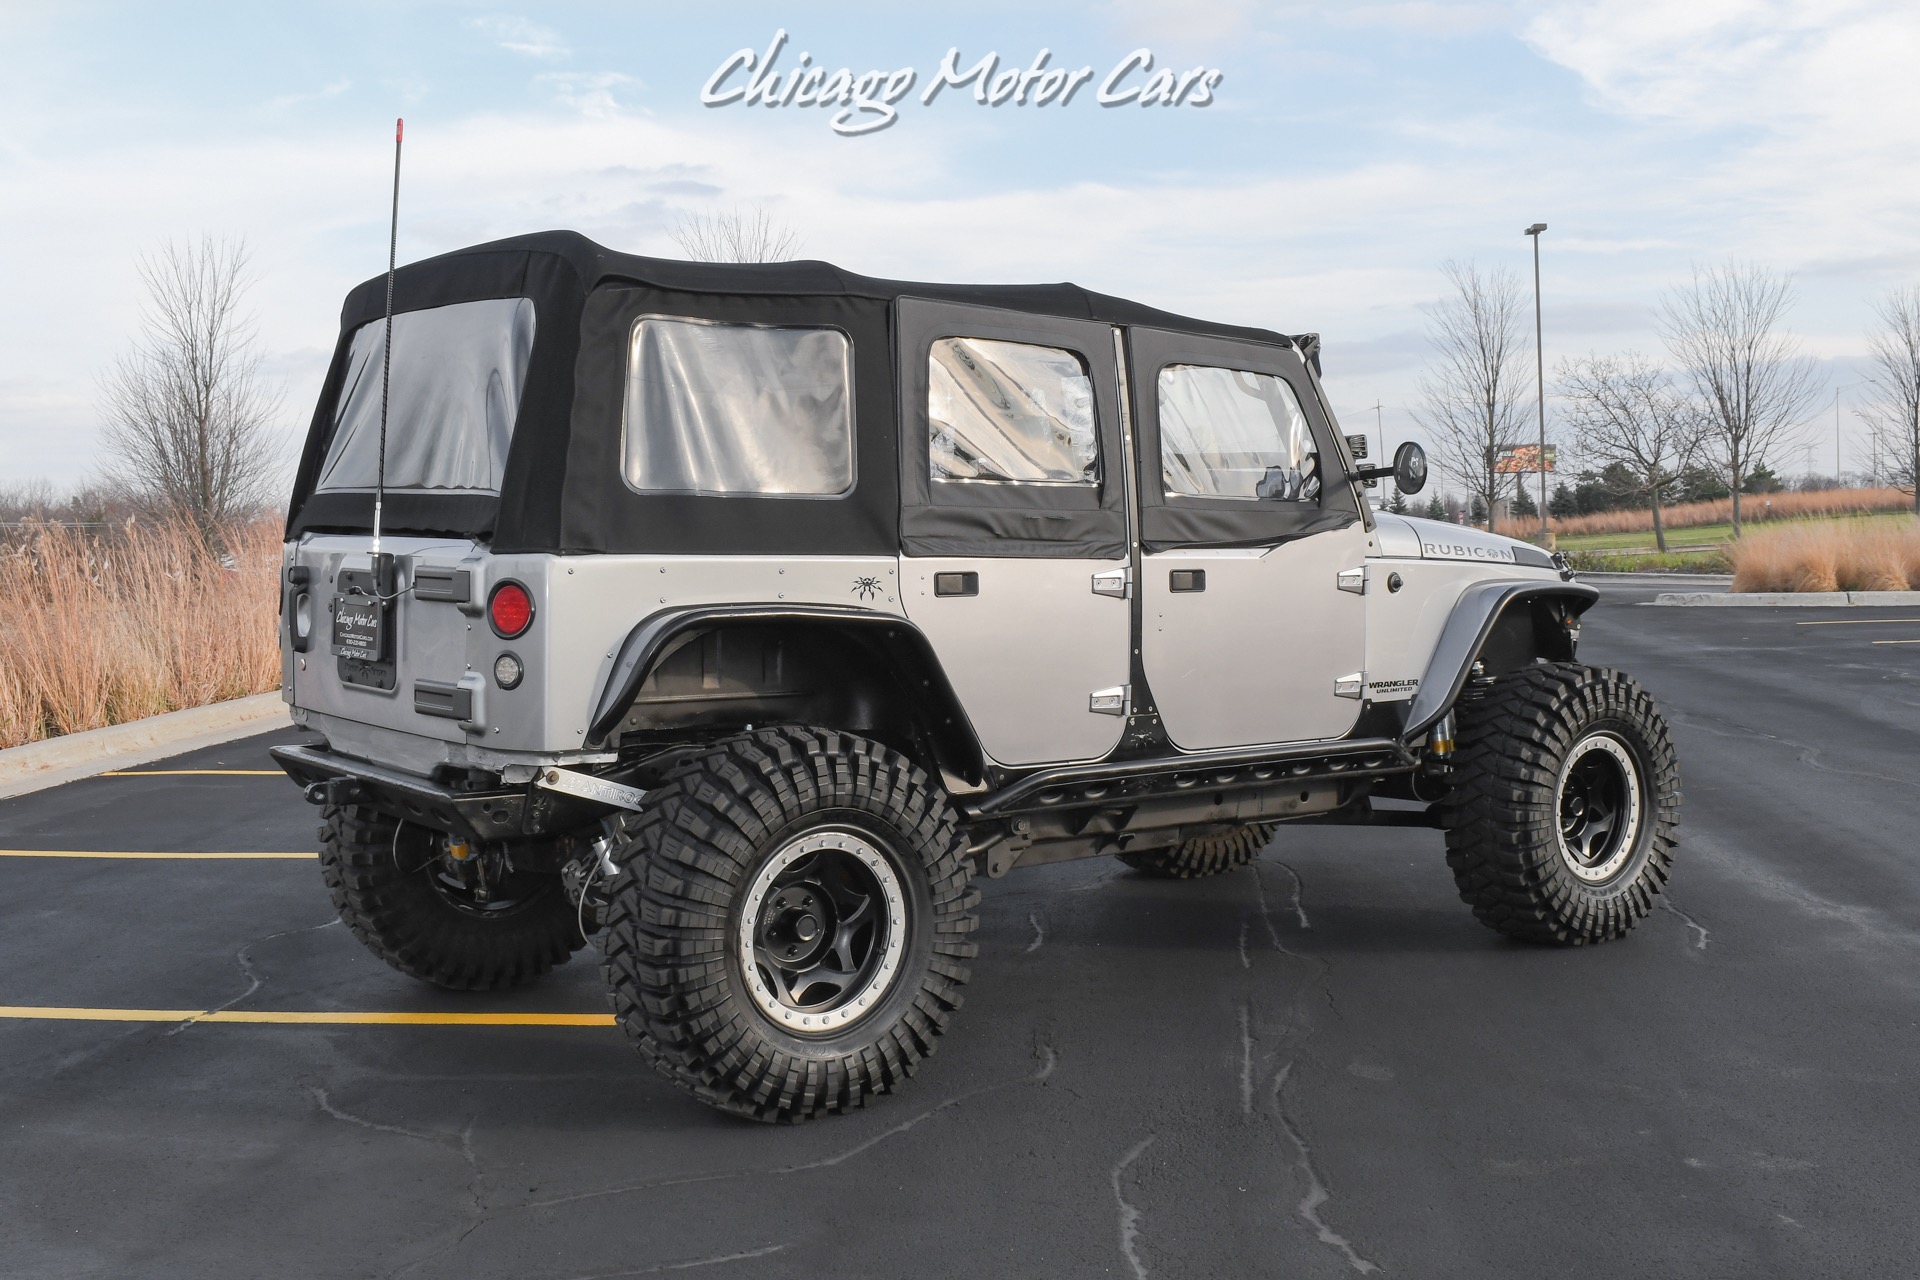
[{"x": 1409, "y": 469}]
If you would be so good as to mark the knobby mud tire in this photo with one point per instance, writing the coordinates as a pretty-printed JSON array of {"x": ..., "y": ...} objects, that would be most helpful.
[
  {"x": 1203, "y": 855},
  {"x": 1501, "y": 814},
  {"x": 686, "y": 863},
  {"x": 380, "y": 877}
]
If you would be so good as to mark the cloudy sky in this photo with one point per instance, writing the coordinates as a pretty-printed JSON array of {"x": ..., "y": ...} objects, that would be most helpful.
[{"x": 1348, "y": 151}]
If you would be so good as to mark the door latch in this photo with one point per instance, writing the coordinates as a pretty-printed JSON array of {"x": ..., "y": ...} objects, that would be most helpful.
[
  {"x": 1112, "y": 582},
  {"x": 1354, "y": 580},
  {"x": 1108, "y": 702}
]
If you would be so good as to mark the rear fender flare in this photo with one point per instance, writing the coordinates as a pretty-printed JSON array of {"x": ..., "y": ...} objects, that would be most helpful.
[
  {"x": 1475, "y": 615},
  {"x": 895, "y": 641}
]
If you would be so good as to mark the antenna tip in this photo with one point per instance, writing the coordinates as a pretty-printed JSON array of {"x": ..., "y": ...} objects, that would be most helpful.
[{"x": 399, "y": 129}]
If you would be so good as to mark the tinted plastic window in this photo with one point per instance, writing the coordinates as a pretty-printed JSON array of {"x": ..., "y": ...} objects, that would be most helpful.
[
  {"x": 1227, "y": 433},
  {"x": 1010, "y": 412},
  {"x": 453, "y": 396},
  {"x": 734, "y": 408}
]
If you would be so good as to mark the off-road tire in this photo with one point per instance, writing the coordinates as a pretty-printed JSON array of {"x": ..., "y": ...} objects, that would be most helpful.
[
  {"x": 379, "y": 870},
  {"x": 1203, "y": 855},
  {"x": 688, "y": 865},
  {"x": 1504, "y": 811}
]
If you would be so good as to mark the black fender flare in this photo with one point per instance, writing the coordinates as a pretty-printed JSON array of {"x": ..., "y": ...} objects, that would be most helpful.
[
  {"x": 1474, "y": 616},
  {"x": 897, "y": 641}
]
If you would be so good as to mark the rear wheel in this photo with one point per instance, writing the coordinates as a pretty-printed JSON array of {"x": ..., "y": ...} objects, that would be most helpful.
[
  {"x": 474, "y": 924},
  {"x": 1561, "y": 821},
  {"x": 1206, "y": 855},
  {"x": 788, "y": 931}
]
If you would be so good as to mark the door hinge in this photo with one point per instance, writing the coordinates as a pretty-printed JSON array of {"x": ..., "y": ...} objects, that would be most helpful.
[
  {"x": 1113, "y": 582},
  {"x": 1354, "y": 580},
  {"x": 1108, "y": 702},
  {"x": 1350, "y": 686}
]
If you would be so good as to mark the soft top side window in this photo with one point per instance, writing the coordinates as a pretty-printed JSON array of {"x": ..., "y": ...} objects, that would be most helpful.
[
  {"x": 715, "y": 408},
  {"x": 1229, "y": 433},
  {"x": 1010, "y": 413}
]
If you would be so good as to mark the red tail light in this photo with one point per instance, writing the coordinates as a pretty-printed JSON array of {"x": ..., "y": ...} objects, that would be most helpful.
[{"x": 510, "y": 610}]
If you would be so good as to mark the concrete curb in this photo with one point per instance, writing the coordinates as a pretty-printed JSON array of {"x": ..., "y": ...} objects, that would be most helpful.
[
  {"x": 1657, "y": 579},
  {"x": 39, "y": 765},
  {"x": 1804, "y": 599}
]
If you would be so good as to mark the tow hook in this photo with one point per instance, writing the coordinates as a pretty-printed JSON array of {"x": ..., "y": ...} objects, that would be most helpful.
[{"x": 333, "y": 791}]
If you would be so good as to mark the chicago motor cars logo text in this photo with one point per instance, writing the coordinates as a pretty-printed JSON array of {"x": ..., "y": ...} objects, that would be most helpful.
[{"x": 868, "y": 100}]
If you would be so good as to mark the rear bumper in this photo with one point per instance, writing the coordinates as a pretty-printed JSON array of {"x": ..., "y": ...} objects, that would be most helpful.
[{"x": 502, "y": 813}]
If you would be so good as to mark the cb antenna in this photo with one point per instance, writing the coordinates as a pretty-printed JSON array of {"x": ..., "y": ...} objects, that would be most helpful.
[{"x": 386, "y": 346}]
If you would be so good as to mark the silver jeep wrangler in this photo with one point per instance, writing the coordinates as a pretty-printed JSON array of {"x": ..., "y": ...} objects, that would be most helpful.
[{"x": 742, "y": 614}]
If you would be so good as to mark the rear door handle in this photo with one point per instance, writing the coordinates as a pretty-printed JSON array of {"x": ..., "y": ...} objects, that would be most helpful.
[
  {"x": 956, "y": 584},
  {"x": 1187, "y": 580}
]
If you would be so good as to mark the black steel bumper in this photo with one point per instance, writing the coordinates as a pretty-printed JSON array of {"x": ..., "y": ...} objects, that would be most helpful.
[{"x": 503, "y": 813}]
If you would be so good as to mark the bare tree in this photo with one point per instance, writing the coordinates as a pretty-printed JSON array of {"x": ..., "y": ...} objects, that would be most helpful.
[
  {"x": 1474, "y": 395},
  {"x": 1753, "y": 384},
  {"x": 1894, "y": 414},
  {"x": 1625, "y": 409},
  {"x": 737, "y": 235},
  {"x": 188, "y": 421}
]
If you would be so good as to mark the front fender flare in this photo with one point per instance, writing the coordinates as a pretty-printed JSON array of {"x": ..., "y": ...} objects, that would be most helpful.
[{"x": 1474, "y": 615}]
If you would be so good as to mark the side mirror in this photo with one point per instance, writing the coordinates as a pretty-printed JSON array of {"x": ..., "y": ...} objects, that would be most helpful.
[{"x": 1409, "y": 469}]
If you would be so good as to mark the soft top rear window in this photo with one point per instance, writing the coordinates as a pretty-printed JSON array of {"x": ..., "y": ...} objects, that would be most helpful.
[{"x": 454, "y": 394}]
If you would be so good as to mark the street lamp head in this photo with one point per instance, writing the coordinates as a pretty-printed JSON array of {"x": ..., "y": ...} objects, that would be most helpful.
[{"x": 1535, "y": 229}]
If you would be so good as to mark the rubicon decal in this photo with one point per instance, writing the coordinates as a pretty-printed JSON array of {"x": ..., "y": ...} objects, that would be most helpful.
[
  {"x": 868, "y": 101},
  {"x": 1465, "y": 551}
]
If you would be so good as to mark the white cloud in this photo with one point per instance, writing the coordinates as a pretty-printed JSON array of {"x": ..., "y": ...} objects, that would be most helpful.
[
  {"x": 287, "y": 100},
  {"x": 522, "y": 36},
  {"x": 588, "y": 92}
]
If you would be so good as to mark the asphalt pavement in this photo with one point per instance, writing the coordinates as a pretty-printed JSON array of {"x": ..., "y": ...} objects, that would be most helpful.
[{"x": 1317, "y": 1067}]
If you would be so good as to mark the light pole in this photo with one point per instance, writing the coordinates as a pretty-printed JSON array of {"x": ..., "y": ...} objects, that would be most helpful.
[
  {"x": 1539, "y": 377},
  {"x": 1836, "y": 427}
]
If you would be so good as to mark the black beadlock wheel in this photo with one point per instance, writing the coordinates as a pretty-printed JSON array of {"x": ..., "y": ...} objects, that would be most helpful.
[
  {"x": 1207, "y": 855},
  {"x": 789, "y": 929},
  {"x": 393, "y": 889},
  {"x": 1562, "y": 816}
]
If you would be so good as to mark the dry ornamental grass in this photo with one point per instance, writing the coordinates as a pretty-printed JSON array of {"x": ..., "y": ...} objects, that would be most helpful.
[
  {"x": 101, "y": 630},
  {"x": 1755, "y": 508},
  {"x": 1828, "y": 557}
]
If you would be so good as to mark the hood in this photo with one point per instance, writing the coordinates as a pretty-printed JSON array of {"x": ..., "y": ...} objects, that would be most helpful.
[{"x": 1438, "y": 540}]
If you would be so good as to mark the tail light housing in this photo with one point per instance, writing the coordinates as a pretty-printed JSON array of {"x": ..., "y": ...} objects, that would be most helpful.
[{"x": 510, "y": 610}]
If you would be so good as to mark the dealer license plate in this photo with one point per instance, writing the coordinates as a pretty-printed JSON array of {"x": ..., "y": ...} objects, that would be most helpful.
[{"x": 359, "y": 628}]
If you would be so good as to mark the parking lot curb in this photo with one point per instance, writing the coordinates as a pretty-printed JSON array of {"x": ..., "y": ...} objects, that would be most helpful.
[
  {"x": 1807, "y": 599},
  {"x": 39, "y": 765}
]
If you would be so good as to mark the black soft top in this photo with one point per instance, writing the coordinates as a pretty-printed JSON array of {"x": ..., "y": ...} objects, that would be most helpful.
[
  {"x": 591, "y": 265},
  {"x": 562, "y": 491}
]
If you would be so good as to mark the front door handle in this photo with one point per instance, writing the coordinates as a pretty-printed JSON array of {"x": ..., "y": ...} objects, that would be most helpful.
[{"x": 1187, "y": 580}]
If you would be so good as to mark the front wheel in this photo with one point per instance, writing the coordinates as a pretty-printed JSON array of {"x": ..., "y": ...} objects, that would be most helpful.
[
  {"x": 1566, "y": 796},
  {"x": 1225, "y": 850},
  {"x": 788, "y": 931}
]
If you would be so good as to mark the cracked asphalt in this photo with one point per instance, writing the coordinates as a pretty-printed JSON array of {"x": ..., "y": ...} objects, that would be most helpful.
[{"x": 1318, "y": 1067}]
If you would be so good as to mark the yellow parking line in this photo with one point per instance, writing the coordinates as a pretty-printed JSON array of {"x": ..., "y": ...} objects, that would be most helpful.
[
  {"x": 55, "y": 1013},
  {"x": 1854, "y": 622},
  {"x": 158, "y": 857},
  {"x": 193, "y": 773}
]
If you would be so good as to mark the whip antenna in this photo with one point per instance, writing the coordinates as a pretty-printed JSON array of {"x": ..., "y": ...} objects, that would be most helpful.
[{"x": 386, "y": 345}]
